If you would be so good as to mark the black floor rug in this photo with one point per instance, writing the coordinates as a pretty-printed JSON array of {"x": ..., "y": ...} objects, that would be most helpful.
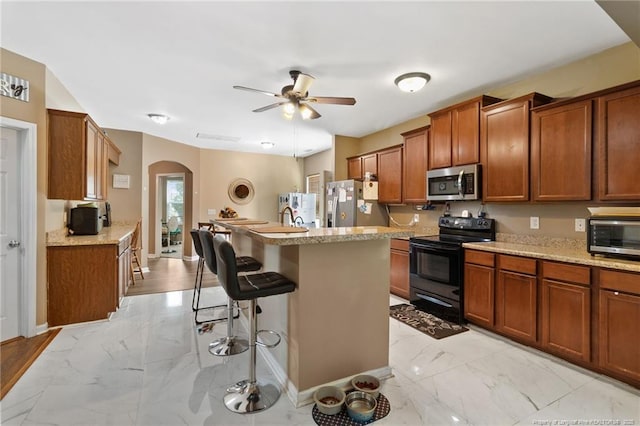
[{"x": 425, "y": 322}]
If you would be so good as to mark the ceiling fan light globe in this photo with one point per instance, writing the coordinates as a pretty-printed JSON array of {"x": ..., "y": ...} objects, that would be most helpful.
[
  {"x": 412, "y": 82},
  {"x": 289, "y": 108},
  {"x": 305, "y": 112}
]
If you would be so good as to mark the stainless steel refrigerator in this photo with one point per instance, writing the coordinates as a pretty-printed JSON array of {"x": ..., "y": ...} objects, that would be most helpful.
[{"x": 349, "y": 205}]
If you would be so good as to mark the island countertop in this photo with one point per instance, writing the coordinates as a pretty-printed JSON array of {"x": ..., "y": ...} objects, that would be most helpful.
[
  {"x": 108, "y": 235},
  {"x": 314, "y": 235}
]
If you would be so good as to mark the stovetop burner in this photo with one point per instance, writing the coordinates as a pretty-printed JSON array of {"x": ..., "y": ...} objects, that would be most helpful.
[{"x": 454, "y": 230}]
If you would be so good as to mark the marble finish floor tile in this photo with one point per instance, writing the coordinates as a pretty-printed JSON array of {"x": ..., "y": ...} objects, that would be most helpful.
[{"x": 148, "y": 365}]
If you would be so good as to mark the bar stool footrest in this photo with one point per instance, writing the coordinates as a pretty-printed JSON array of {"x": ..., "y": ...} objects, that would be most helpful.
[{"x": 267, "y": 345}]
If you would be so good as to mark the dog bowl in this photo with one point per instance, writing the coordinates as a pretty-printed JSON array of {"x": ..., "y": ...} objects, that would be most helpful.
[
  {"x": 329, "y": 399},
  {"x": 366, "y": 383},
  {"x": 361, "y": 406}
]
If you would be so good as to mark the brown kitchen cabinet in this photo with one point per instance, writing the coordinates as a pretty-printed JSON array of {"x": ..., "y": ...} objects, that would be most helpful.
[
  {"x": 455, "y": 133},
  {"x": 78, "y": 156},
  {"x": 479, "y": 288},
  {"x": 619, "y": 324},
  {"x": 561, "y": 145},
  {"x": 399, "y": 258},
  {"x": 358, "y": 167},
  {"x": 618, "y": 144},
  {"x": 390, "y": 175},
  {"x": 504, "y": 148},
  {"x": 415, "y": 165},
  {"x": 566, "y": 310},
  {"x": 516, "y": 298}
]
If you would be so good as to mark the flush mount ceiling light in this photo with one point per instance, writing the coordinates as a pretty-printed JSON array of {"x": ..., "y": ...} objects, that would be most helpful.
[
  {"x": 267, "y": 144},
  {"x": 158, "y": 118},
  {"x": 412, "y": 82}
]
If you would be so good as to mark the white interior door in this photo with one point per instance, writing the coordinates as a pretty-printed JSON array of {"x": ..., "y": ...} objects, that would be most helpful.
[{"x": 10, "y": 250}]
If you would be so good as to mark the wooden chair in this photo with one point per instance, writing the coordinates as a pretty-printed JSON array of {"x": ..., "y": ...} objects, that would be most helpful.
[{"x": 136, "y": 248}]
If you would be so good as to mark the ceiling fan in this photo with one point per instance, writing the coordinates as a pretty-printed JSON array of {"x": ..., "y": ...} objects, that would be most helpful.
[{"x": 296, "y": 97}]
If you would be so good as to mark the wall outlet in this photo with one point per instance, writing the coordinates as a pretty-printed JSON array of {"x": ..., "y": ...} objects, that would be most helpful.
[
  {"x": 580, "y": 225},
  {"x": 211, "y": 212},
  {"x": 416, "y": 218},
  {"x": 534, "y": 222}
]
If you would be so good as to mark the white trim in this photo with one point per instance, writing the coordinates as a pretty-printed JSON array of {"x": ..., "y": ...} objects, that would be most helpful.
[
  {"x": 42, "y": 328},
  {"x": 28, "y": 223}
]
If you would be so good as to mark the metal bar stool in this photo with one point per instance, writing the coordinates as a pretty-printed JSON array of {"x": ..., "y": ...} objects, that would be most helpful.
[
  {"x": 230, "y": 344},
  {"x": 249, "y": 396},
  {"x": 197, "y": 285}
]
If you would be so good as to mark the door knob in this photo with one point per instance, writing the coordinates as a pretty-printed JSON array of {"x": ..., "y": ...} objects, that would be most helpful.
[{"x": 14, "y": 244}]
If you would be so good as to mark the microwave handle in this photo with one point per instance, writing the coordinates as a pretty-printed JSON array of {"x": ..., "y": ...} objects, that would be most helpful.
[{"x": 460, "y": 182}]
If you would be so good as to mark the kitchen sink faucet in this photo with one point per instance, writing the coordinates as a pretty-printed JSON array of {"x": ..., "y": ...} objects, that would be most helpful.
[{"x": 283, "y": 212}]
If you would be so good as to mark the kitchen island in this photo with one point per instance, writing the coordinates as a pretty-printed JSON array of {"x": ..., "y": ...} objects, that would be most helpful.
[{"x": 336, "y": 323}]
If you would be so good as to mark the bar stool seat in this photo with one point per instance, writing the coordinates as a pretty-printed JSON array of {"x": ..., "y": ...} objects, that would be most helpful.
[
  {"x": 249, "y": 396},
  {"x": 230, "y": 344}
]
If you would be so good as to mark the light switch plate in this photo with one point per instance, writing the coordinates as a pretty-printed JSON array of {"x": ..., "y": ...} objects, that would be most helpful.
[
  {"x": 211, "y": 212},
  {"x": 416, "y": 218},
  {"x": 580, "y": 225}
]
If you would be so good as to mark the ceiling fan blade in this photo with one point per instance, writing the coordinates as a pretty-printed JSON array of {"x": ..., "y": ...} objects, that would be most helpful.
[
  {"x": 268, "y": 107},
  {"x": 332, "y": 100},
  {"x": 302, "y": 84},
  {"x": 308, "y": 113},
  {"x": 249, "y": 89}
]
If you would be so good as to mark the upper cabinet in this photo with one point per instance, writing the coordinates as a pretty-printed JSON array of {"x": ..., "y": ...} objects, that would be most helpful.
[
  {"x": 505, "y": 148},
  {"x": 358, "y": 167},
  {"x": 455, "y": 133},
  {"x": 390, "y": 175},
  {"x": 79, "y": 154},
  {"x": 561, "y": 152},
  {"x": 618, "y": 144},
  {"x": 416, "y": 144}
]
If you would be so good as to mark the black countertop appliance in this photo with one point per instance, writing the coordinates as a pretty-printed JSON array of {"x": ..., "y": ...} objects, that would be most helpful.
[{"x": 85, "y": 221}]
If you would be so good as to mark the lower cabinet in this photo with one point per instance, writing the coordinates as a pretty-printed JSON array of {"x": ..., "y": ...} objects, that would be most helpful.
[
  {"x": 586, "y": 315},
  {"x": 516, "y": 298},
  {"x": 566, "y": 310},
  {"x": 619, "y": 323},
  {"x": 479, "y": 287},
  {"x": 85, "y": 283},
  {"x": 399, "y": 279}
]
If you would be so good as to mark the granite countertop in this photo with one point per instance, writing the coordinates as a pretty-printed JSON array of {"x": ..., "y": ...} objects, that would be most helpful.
[
  {"x": 568, "y": 254},
  {"x": 317, "y": 235},
  {"x": 109, "y": 235}
]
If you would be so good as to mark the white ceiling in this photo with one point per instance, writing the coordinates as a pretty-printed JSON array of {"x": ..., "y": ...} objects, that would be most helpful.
[{"x": 123, "y": 60}]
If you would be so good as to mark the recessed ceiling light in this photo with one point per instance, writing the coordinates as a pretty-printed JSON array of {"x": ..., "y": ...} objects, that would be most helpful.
[
  {"x": 158, "y": 118},
  {"x": 412, "y": 82},
  {"x": 267, "y": 144}
]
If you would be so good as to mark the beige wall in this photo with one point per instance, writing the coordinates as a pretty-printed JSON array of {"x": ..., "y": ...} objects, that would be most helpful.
[
  {"x": 269, "y": 175},
  {"x": 343, "y": 148},
  {"x": 609, "y": 68},
  {"x": 33, "y": 111},
  {"x": 126, "y": 204}
]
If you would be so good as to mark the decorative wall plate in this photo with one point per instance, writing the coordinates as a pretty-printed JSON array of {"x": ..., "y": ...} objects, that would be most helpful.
[{"x": 241, "y": 191}]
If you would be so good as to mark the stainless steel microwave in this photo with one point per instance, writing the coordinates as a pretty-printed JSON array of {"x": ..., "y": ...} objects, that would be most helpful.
[
  {"x": 617, "y": 236},
  {"x": 454, "y": 183}
]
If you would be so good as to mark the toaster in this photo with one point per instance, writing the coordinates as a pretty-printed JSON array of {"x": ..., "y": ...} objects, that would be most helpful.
[{"x": 85, "y": 221}]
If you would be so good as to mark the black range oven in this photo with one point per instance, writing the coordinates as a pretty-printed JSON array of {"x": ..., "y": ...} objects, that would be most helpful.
[{"x": 437, "y": 265}]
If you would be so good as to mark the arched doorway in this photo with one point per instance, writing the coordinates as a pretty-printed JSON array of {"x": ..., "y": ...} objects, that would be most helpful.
[{"x": 158, "y": 176}]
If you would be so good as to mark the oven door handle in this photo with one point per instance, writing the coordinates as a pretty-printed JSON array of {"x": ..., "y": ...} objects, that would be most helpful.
[
  {"x": 433, "y": 249},
  {"x": 434, "y": 300}
]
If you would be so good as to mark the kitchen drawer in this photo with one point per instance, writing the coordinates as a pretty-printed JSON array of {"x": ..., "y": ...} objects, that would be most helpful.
[
  {"x": 399, "y": 244},
  {"x": 621, "y": 281},
  {"x": 124, "y": 244},
  {"x": 480, "y": 258},
  {"x": 567, "y": 273},
  {"x": 523, "y": 265}
]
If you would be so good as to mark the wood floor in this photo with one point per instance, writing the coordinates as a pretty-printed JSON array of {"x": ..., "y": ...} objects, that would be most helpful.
[
  {"x": 166, "y": 274},
  {"x": 17, "y": 355}
]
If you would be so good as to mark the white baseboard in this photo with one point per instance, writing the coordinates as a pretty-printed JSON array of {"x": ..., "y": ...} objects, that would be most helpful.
[{"x": 42, "y": 328}]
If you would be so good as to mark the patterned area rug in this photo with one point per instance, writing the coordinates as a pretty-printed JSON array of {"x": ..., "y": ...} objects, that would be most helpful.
[{"x": 425, "y": 322}]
